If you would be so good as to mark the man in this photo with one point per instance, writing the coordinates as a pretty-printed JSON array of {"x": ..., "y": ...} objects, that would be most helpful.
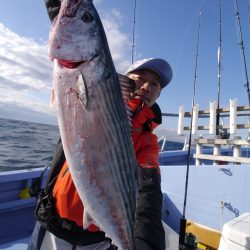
[
  {"x": 63, "y": 219},
  {"x": 150, "y": 76}
]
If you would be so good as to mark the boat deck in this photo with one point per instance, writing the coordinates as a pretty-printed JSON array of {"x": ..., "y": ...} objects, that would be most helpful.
[
  {"x": 16, "y": 245},
  {"x": 224, "y": 197}
]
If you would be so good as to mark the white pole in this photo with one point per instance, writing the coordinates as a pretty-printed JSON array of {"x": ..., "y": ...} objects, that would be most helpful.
[
  {"x": 195, "y": 119},
  {"x": 237, "y": 148},
  {"x": 198, "y": 162},
  {"x": 212, "y": 124},
  {"x": 233, "y": 116},
  {"x": 217, "y": 151},
  {"x": 181, "y": 120},
  {"x": 163, "y": 144}
]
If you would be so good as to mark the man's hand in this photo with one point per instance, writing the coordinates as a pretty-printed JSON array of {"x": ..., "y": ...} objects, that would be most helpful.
[{"x": 142, "y": 94}]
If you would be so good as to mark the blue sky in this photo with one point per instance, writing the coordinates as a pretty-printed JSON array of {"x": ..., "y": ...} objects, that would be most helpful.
[{"x": 164, "y": 28}]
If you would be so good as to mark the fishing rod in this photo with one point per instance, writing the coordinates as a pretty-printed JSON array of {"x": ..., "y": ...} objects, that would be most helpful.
[
  {"x": 219, "y": 75},
  {"x": 133, "y": 37},
  {"x": 183, "y": 220},
  {"x": 248, "y": 12},
  {"x": 240, "y": 37}
]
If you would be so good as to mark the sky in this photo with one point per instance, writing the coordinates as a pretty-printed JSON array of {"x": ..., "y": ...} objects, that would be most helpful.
[{"x": 164, "y": 29}]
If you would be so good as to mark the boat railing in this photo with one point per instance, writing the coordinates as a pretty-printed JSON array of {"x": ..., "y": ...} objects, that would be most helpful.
[
  {"x": 236, "y": 144},
  {"x": 232, "y": 112},
  {"x": 218, "y": 132}
]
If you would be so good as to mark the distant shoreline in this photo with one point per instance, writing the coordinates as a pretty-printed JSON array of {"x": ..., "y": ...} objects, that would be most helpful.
[{"x": 22, "y": 120}]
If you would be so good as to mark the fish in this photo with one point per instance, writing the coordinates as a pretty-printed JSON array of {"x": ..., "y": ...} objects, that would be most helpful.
[{"x": 93, "y": 121}]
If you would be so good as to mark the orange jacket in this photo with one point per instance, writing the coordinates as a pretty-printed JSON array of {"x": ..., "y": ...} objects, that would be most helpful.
[
  {"x": 145, "y": 142},
  {"x": 67, "y": 200}
]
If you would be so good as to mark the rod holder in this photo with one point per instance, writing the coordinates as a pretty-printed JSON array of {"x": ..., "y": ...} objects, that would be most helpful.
[
  {"x": 217, "y": 152},
  {"x": 181, "y": 120},
  {"x": 233, "y": 116},
  {"x": 195, "y": 119},
  {"x": 212, "y": 121}
]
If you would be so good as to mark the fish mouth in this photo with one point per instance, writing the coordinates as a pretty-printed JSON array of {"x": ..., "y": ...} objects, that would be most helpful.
[{"x": 71, "y": 64}]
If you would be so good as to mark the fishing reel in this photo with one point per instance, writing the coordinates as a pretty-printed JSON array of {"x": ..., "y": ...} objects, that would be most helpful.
[
  {"x": 191, "y": 242},
  {"x": 222, "y": 133},
  {"x": 248, "y": 137}
]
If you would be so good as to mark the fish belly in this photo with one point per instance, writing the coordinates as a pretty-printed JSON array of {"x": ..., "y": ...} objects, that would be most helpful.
[{"x": 96, "y": 139}]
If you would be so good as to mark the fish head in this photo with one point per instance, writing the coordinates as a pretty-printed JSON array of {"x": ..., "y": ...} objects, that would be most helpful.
[{"x": 75, "y": 31}]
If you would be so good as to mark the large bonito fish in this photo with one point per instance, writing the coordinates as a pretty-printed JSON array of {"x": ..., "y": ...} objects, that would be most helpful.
[{"x": 93, "y": 121}]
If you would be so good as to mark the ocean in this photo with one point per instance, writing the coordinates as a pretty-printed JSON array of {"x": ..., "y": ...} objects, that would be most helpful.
[{"x": 25, "y": 145}]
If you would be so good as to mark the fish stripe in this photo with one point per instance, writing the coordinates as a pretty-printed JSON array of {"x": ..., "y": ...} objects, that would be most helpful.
[{"x": 120, "y": 161}]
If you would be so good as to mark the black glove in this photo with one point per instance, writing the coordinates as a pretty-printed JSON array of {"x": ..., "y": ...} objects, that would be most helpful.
[
  {"x": 149, "y": 232},
  {"x": 148, "y": 126},
  {"x": 53, "y": 7},
  {"x": 157, "y": 112}
]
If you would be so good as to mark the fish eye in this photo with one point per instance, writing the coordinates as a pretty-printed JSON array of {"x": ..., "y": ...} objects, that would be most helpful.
[{"x": 87, "y": 17}]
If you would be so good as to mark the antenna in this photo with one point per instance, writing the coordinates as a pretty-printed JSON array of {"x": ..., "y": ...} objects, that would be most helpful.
[
  {"x": 219, "y": 76},
  {"x": 183, "y": 220},
  {"x": 133, "y": 37}
]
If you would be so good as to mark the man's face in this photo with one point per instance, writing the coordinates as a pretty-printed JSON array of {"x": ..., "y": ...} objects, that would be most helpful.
[{"x": 148, "y": 85}]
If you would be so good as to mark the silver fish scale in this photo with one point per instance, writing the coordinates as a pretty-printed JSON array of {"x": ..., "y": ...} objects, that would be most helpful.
[{"x": 93, "y": 123}]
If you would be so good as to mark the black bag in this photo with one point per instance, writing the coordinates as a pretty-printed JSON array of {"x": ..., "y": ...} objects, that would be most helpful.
[{"x": 44, "y": 207}]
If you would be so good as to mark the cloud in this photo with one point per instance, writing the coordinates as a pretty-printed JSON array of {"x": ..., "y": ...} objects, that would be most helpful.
[
  {"x": 26, "y": 71},
  {"x": 96, "y": 2},
  {"x": 18, "y": 111},
  {"x": 24, "y": 61},
  {"x": 25, "y": 77},
  {"x": 119, "y": 43}
]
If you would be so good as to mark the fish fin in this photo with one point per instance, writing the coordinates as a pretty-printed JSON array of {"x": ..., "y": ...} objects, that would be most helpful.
[
  {"x": 83, "y": 91},
  {"x": 52, "y": 98},
  {"x": 127, "y": 88},
  {"x": 87, "y": 220}
]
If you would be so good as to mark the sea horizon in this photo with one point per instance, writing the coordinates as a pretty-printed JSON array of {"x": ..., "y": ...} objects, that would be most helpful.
[
  {"x": 27, "y": 120},
  {"x": 27, "y": 144}
]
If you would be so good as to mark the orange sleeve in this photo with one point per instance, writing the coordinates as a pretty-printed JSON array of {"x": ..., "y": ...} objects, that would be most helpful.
[
  {"x": 145, "y": 142},
  {"x": 144, "y": 115},
  {"x": 67, "y": 201},
  {"x": 148, "y": 154}
]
